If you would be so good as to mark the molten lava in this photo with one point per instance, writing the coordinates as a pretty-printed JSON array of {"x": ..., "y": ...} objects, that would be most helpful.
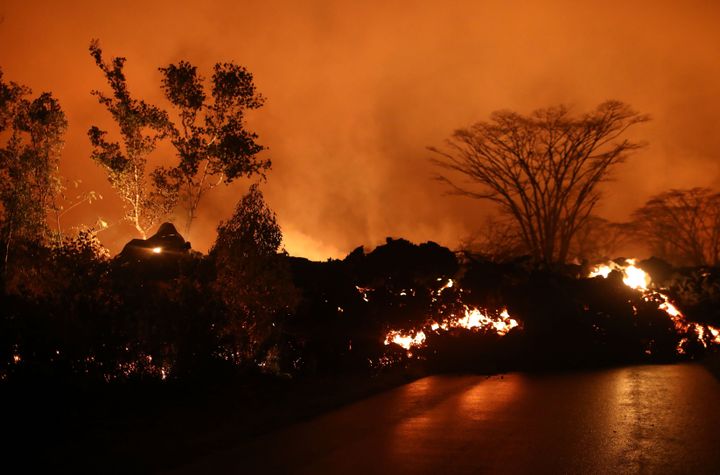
[
  {"x": 500, "y": 322},
  {"x": 633, "y": 276},
  {"x": 637, "y": 279},
  {"x": 470, "y": 319},
  {"x": 406, "y": 340}
]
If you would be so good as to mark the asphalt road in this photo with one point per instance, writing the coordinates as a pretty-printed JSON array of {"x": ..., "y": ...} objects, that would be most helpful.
[{"x": 643, "y": 419}]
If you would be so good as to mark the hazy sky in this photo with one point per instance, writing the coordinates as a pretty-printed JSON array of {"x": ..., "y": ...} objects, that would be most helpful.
[{"x": 356, "y": 91}]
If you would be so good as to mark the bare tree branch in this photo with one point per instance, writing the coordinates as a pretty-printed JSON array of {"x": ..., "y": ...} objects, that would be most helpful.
[{"x": 543, "y": 169}]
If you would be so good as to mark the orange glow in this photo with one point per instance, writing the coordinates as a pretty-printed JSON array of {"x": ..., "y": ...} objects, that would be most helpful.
[
  {"x": 157, "y": 250},
  {"x": 639, "y": 280},
  {"x": 633, "y": 276},
  {"x": 472, "y": 319},
  {"x": 365, "y": 65},
  {"x": 406, "y": 340},
  {"x": 603, "y": 270},
  {"x": 715, "y": 332}
]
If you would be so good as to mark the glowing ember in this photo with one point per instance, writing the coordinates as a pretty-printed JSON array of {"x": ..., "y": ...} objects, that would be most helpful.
[
  {"x": 680, "y": 350},
  {"x": 449, "y": 285},
  {"x": 364, "y": 292},
  {"x": 476, "y": 319},
  {"x": 715, "y": 333}
]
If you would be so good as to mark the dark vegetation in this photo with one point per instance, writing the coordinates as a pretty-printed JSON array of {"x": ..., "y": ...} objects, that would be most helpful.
[
  {"x": 97, "y": 334},
  {"x": 72, "y": 315}
]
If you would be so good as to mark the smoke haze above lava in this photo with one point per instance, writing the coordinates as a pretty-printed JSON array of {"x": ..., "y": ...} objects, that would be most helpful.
[{"x": 356, "y": 91}]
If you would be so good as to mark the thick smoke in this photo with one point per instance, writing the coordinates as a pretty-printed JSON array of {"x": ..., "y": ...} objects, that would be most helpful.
[{"x": 357, "y": 90}]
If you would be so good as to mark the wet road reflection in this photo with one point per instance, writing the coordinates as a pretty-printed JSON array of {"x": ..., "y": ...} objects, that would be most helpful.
[{"x": 645, "y": 419}]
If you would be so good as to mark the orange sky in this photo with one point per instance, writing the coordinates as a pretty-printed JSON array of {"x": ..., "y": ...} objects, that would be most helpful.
[{"x": 356, "y": 91}]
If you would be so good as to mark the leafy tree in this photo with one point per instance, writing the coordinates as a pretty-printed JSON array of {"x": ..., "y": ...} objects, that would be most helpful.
[
  {"x": 141, "y": 126},
  {"x": 682, "y": 226},
  {"x": 543, "y": 170},
  {"x": 211, "y": 139},
  {"x": 252, "y": 280},
  {"x": 34, "y": 131}
]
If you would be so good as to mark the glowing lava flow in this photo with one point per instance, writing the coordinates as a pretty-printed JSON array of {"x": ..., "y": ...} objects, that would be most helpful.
[
  {"x": 406, "y": 340},
  {"x": 470, "y": 319},
  {"x": 639, "y": 280},
  {"x": 473, "y": 319},
  {"x": 501, "y": 322}
]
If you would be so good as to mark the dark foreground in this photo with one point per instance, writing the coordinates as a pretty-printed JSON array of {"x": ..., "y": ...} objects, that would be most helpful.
[{"x": 642, "y": 419}]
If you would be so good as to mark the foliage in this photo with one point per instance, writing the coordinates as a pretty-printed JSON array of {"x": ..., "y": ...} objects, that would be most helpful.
[
  {"x": 252, "y": 280},
  {"x": 211, "y": 139},
  {"x": 543, "y": 170},
  {"x": 34, "y": 131},
  {"x": 682, "y": 226},
  {"x": 141, "y": 126},
  {"x": 56, "y": 308},
  {"x": 68, "y": 197}
]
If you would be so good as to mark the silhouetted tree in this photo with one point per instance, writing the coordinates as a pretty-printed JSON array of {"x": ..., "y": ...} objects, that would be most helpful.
[
  {"x": 543, "y": 169},
  {"x": 682, "y": 226},
  {"x": 599, "y": 239},
  {"x": 253, "y": 280},
  {"x": 34, "y": 130},
  {"x": 141, "y": 127},
  {"x": 498, "y": 240},
  {"x": 211, "y": 139}
]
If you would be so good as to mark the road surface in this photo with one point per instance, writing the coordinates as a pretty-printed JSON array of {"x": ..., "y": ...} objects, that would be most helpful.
[{"x": 643, "y": 419}]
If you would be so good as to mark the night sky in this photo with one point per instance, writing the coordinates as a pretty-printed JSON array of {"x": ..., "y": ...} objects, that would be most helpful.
[{"x": 356, "y": 91}]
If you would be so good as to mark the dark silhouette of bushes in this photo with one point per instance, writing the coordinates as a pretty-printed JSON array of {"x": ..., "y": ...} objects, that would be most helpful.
[{"x": 70, "y": 313}]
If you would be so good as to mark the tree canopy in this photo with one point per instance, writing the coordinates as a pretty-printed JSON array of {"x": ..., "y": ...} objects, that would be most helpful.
[
  {"x": 252, "y": 281},
  {"x": 543, "y": 169},
  {"x": 211, "y": 139},
  {"x": 682, "y": 226},
  {"x": 33, "y": 135},
  {"x": 141, "y": 126}
]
